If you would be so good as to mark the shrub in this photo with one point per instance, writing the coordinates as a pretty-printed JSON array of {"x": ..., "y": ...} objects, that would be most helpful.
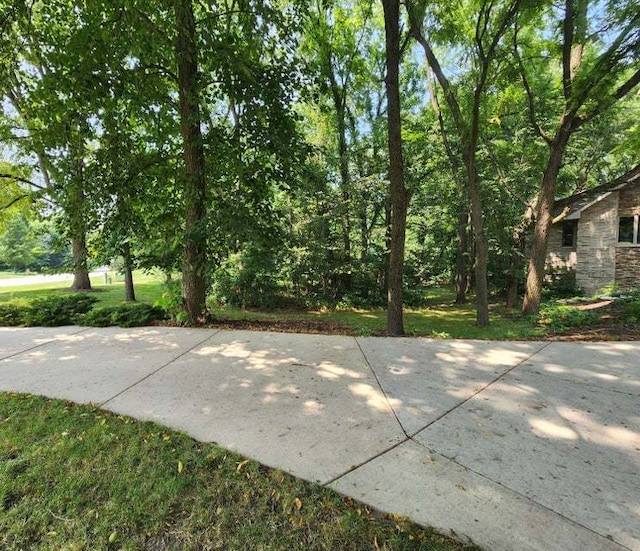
[
  {"x": 249, "y": 280},
  {"x": 561, "y": 283},
  {"x": 11, "y": 315},
  {"x": 56, "y": 310},
  {"x": 124, "y": 315},
  {"x": 560, "y": 317},
  {"x": 170, "y": 302},
  {"x": 631, "y": 312}
]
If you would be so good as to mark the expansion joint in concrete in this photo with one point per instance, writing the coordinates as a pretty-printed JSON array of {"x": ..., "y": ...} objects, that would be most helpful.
[
  {"x": 472, "y": 396},
  {"x": 102, "y": 404},
  {"x": 25, "y": 350},
  {"x": 516, "y": 493},
  {"x": 366, "y": 462},
  {"x": 384, "y": 393}
]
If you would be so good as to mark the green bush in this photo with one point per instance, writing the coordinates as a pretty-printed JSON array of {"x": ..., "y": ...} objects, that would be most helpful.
[
  {"x": 56, "y": 310},
  {"x": 170, "y": 302},
  {"x": 249, "y": 280},
  {"x": 560, "y": 317},
  {"x": 11, "y": 315},
  {"x": 631, "y": 312},
  {"x": 561, "y": 283},
  {"x": 124, "y": 315}
]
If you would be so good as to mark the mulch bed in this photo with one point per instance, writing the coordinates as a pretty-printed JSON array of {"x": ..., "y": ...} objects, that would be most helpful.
[{"x": 283, "y": 326}]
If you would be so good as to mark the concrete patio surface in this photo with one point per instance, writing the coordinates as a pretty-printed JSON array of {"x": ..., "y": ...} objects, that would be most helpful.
[{"x": 511, "y": 445}]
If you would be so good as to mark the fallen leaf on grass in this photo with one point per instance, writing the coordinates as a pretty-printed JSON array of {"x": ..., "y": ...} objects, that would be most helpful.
[{"x": 242, "y": 464}]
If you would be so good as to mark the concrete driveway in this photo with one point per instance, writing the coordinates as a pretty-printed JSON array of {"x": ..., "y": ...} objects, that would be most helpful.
[{"x": 512, "y": 445}]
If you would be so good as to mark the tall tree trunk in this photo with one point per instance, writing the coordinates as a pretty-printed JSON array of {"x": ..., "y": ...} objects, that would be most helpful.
[
  {"x": 475, "y": 197},
  {"x": 461, "y": 278},
  {"x": 345, "y": 209},
  {"x": 387, "y": 245},
  {"x": 544, "y": 218},
  {"x": 129, "y": 291},
  {"x": 81, "y": 281},
  {"x": 339, "y": 97},
  {"x": 193, "y": 266},
  {"x": 75, "y": 210},
  {"x": 477, "y": 221},
  {"x": 398, "y": 194}
]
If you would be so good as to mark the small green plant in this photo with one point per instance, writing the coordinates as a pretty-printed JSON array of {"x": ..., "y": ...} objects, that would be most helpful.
[
  {"x": 364, "y": 331},
  {"x": 56, "y": 310},
  {"x": 124, "y": 315},
  {"x": 440, "y": 334}
]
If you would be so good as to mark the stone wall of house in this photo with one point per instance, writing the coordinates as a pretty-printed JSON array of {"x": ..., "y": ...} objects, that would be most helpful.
[
  {"x": 628, "y": 267},
  {"x": 629, "y": 203},
  {"x": 559, "y": 259},
  {"x": 628, "y": 257},
  {"x": 596, "y": 246}
]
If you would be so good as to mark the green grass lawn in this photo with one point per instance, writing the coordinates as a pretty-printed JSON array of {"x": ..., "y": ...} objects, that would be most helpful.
[
  {"x": 148, "y": 288},
  {"x": 79, "y": 478},
  {"x": 4, "y": 274},
  {"x": 440, "y": 318}
]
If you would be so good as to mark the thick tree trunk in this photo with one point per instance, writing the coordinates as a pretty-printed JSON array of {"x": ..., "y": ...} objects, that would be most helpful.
[
  {"x": 397, "y": 191},
  {"x": 81, "y": 281},
  {"x": 544, "y": 218},
  {"x": 129, "y": 291},
  {"x": 75, "y": 209},
  {"x": 193, "y": 267},
  {"x": 387, "y": 245}
]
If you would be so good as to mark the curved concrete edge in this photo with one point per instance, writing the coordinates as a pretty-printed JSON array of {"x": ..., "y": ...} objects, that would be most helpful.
[{"x": 435, "y": 491}]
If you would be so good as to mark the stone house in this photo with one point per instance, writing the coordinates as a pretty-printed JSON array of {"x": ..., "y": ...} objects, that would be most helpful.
[{"x": 595, "y": 236}]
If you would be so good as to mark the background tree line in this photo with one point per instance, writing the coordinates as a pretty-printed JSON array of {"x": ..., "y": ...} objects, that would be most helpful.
[{"x": 296, "y": 153}]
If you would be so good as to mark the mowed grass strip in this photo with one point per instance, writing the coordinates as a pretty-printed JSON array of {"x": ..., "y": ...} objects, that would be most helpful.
[{"x": 75, "y": 477}]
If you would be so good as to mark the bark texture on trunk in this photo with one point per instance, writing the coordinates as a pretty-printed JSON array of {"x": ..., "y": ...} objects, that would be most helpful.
[
  {"x": 193, "y": 267},
  {"x": 81, "y": 281},
  {"x": 129, "y": 291},
  {"x": 544, "y": 219},
  {"x": 398, "y": 195},
  {"x": 77, "y": 222},
  {"x": 477, "y": 221},
  {"x": 461, "y": 278}
]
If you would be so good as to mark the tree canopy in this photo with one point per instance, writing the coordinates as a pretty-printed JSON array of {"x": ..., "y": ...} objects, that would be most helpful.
[{"x": 327, "y": 153}]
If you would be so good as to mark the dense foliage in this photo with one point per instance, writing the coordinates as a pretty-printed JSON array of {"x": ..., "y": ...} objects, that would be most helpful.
[{"x": 244, "y": 142}]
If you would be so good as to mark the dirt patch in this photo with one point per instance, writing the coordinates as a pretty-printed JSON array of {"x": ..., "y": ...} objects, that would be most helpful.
[{"x": 284, "y": 326}]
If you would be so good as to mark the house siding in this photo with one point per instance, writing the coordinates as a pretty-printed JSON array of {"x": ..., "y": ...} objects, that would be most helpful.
[
  {"x": 559, "y": 259},
  {"x": 628, "y": 257},
  {"x": 596, "y": 245},
  {"x": 628, "y": 267},
  {"x": 629, "y": 203}
]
